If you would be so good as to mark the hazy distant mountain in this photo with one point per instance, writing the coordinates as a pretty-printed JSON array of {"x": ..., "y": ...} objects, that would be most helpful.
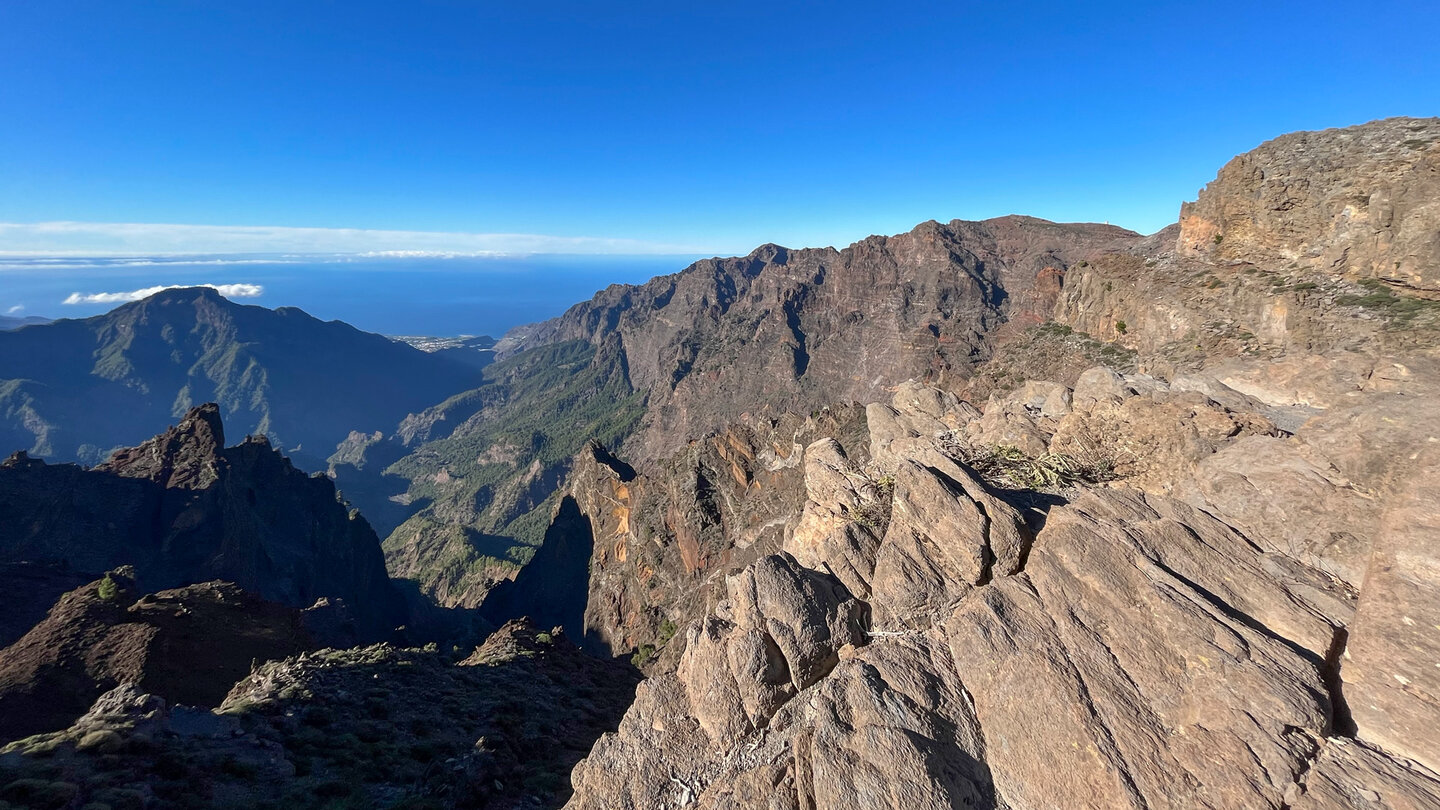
[
  {"x": 76, "y": 389},
  {"x": 11, "y": 322}
]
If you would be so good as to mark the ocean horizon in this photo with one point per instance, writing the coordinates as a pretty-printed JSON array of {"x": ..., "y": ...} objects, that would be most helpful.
[{"x": 438, "y": 295}]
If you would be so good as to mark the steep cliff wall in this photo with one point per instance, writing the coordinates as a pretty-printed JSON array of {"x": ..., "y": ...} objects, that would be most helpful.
[{"x": 1360, "y": 201}]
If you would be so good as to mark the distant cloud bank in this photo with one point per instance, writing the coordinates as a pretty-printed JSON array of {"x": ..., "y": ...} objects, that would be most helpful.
[
  {"x": 227, "y": 290},
  {"x": 140, "y": 239}
]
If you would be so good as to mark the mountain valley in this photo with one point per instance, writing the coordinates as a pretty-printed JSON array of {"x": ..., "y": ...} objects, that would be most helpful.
[{"x": 1000, "y": 514}]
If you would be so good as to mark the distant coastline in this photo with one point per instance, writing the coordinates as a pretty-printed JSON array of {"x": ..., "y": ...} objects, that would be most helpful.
[{"x": 428, "y": 295}]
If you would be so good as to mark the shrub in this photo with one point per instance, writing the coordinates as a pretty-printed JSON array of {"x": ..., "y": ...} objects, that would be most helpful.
[
  {"x": 1120, "y": 327},
  {"x": 1010, "y": 468},
  {"x": 667, "y": 631},
  {"x": 109, "y": 589},
  {"x": 643, "y": 656}
]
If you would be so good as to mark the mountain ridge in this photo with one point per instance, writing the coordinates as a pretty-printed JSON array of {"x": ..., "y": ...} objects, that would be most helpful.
[
  {"x": 304, "y": 382},
  {"x": 999, "y": 515}
]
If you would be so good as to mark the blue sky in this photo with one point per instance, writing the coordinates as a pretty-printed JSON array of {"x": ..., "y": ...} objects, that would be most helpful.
[{"x": 676, "y": 127}]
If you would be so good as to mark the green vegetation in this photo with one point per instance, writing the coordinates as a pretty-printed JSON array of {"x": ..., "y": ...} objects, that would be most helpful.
[
  {"x": 1121, "y": 327},
  {"x": 491, "y": 484},
  {"x": 109, "y": 589},
  {"x": 1219, "y": 238},
  {"x": 644, "y": 655},
  {"x": 1048, "y": 351},
  {"x": 1398, "y": 310},
  {"x": 667, "y": 632},
  {"x": 1009, "y": 467}
]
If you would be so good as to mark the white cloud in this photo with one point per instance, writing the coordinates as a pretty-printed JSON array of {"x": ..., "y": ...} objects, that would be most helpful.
[
  {"x": 15, "y": 310},
  {"x": 142, "y": 239},
  {"x": 25, "y": 262},
  {"x": 227, "y": 290}
]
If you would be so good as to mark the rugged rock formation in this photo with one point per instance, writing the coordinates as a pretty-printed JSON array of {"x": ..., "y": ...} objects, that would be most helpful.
[
  {"x": 794, "y": 331},
  {"x": 1176, "y": 549},
  {"x": 368, "y": 727},
  {"x": 664, "y": 539},
  {"x": 188, "y": 645},
  {"x": 551, "y": 590},
  {"x": 1361, "y": 201},
  {"x": 964, "y": 305},
  {"x": 182, "y": 508},
  {"x": 1140, "y": 652},
  {"x": 1199, "y": 577},
  {"x": 721, "y": 343}
]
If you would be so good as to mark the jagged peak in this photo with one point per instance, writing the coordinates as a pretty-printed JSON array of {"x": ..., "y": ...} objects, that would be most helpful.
[
  {"x": 185, "y": 456},
  {"x": 770, "y": 253},
  {"x": 595, "y": 452}
]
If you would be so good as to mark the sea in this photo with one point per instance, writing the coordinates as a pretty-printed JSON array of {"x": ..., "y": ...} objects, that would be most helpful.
[{"x": 438, "y": 295}]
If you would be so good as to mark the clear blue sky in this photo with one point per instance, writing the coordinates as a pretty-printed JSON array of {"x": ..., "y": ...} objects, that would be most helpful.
[{"x": 712, "y": 126}]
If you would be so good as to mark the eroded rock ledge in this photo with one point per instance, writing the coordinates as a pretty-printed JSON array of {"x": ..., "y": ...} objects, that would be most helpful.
[{"x": 1168, "y": 639}]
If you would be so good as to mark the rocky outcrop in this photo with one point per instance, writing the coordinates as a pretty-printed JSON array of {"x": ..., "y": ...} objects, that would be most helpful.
[
  {"x": 188, "y": 645},
  {"x": 551, "y": 589},
  {"x": 665, "y": 538},
  {"x": 1033, "y": 687},
  {"x": 365, "y": 727},
  {"x": 1313, "y": 243},
  {"x": 182, "y": 508},
  {"x": 1360, "y": 200},
  {"x": 1348, "y": 774},
  {"x": 1390, "y": 671},
  {"x": 1144, "y": 658},
  {"x": 1134, "y": 651}
]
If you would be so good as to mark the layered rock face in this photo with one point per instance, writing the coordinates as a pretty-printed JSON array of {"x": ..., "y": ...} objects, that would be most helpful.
[
  {"x": 1360, "y": 200},
  {"x": 1199, "y": 576},
  {"x": 664, "y": 539},
  {"x": 795, "y": 330},
  {"x": 182, "y": 508},
  {"x": 725, "y": 342},
  {"x": 1112, "y": 647}
]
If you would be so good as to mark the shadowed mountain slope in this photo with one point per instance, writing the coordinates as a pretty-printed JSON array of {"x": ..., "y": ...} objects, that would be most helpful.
[
  {"x": 74, "y": 390},
  {"x": 183, "y": 508}
]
